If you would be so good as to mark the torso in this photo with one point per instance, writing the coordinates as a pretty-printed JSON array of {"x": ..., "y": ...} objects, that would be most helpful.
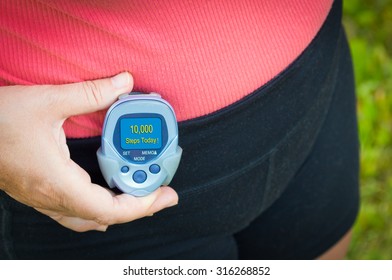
[{"x": 199, "y": 55}]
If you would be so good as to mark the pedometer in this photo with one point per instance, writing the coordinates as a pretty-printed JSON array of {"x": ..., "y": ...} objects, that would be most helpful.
[{"x": 139, "y": 150}]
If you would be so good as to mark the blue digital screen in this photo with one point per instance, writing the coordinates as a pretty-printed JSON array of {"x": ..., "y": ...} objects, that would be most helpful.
[{"x": 141, "y": 133}]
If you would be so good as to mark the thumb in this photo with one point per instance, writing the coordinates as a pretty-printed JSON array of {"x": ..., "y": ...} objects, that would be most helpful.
[{"x": 90, "y": 96}]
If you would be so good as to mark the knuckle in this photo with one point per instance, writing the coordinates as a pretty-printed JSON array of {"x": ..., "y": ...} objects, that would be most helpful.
[
  {"x": 93, "y": 93},
  {"x": 49, "y": 99},
  {"x": 102, "y": 220},
  {"x": 103, "y": 217}
]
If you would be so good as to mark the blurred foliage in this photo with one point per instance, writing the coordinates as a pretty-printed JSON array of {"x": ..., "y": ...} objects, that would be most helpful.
[{"x": 369, "y": 27}]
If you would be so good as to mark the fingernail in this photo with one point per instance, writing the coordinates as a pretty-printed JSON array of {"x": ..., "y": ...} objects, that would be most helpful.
[
  {"x": 174, "y": 203},
  {"x": 121, "y": 80},
  {"x": 102, "y": 228}
]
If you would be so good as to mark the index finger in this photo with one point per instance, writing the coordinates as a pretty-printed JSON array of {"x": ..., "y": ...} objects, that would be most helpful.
[
  {"x": 127, "y": 209},
  {"x": 124, "y": 208},
  {"x": 94, "y": 202}
]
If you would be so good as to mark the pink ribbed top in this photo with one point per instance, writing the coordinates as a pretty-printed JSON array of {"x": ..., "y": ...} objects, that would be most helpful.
[{"x": 200, "y": 55}]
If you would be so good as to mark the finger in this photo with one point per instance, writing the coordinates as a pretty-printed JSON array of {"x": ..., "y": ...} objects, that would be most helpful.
[
  {"x": 126, "y": 208},
  {"x": 89, "y": 96},
  {"x": 102, "y": 206},
  {"x": 73, "y": 223},
  {"x": 115, "y": 209},
  {"x": 81, "y": 198}
]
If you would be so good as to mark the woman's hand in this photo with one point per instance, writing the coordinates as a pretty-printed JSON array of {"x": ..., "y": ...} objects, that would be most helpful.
[{"x": 35, "y": 164}]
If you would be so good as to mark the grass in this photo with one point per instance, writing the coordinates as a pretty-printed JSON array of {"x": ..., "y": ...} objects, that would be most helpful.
[{"x": 369, "y": 28}]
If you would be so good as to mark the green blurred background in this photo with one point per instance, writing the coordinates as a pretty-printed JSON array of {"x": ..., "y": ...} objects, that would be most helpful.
[{"x": 369, "y": 27}]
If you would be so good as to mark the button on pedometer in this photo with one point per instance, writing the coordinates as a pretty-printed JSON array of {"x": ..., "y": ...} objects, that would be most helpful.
[
  {"x": 124, "y": 169},
  {"x": 139, "y": 176},
  {"x": 155, "y": 168}
]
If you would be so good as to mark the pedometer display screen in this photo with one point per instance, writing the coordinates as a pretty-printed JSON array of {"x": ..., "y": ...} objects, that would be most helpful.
[{"x": 141, "y": 133}]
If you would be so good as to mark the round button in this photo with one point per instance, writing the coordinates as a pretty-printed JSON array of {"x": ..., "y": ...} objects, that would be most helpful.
[
  {"x": 155, "y": 168},
  {"x": 139, "y": 176},
  {"x": 124, "y": 169}
]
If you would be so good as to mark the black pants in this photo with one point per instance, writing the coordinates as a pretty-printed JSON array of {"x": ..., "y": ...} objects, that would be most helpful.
[{"x": 273, "y": 176}]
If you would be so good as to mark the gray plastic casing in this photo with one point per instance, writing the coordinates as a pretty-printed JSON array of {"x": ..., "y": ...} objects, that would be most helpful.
[{"x": 111, "y": 162}]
